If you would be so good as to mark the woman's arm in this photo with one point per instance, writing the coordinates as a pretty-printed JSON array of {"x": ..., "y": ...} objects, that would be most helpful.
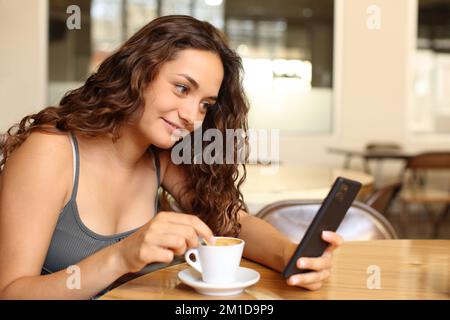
[
  {"x": 268, "y": 246},
  {"x": 256, "y": 232},
  {"x": 95, "y": 273}
]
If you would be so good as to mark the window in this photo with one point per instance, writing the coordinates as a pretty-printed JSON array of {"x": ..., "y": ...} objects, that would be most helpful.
[
  {"x": 431, "y": 101},
  {"x": 287, "y": 50},
  {"x": 286, "y": 46},
  {"x": 105, "y": 24}
]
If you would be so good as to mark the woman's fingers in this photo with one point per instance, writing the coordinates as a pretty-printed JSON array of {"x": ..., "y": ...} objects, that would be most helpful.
[
  {"x": 313, "y": 286},
  {"x": 186, "y": 232},
  {"x": 175, "y": 232},
  {"x": 323, "y": 262},
  {"x": 169, "y": 233},
  {"x": 320, "y": 266},
  {"x": 199, "y": 226},
  {"x": 174, "y": 242},
  {"x": 334, "y": 239},
  {"x": 309, "y": 279},
  {"x": 316, "y": 264},
  {"x": 155, "y": 254}
]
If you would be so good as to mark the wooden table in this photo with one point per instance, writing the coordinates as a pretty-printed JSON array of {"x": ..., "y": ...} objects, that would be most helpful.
[
  {"x": 377, "y": 155},
  {"x": 367, "y": 155},
  {"x": 409, "y": 269},
  {"x": 373, "y": 154},
  {"x": 266, "y": 184}
]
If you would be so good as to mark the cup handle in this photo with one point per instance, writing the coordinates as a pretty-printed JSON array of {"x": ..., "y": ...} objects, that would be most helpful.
[{"x": 194, "y": 264}]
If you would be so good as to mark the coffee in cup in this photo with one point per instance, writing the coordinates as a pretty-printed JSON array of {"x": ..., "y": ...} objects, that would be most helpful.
[
  {"x": 219, "y": 262},
  {"x": 226, "y": 242}
]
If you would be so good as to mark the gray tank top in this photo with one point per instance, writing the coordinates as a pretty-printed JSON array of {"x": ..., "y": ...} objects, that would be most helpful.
[{"x": 72, "y": 240}]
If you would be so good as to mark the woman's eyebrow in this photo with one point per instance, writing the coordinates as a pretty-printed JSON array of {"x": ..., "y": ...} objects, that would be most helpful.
[
  {"x": 188, "y": 78},
  {"x": 194, "y": 83}
]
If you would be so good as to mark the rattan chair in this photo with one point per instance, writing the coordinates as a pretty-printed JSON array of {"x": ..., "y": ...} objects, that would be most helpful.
[{"x": 292, "y": 218}]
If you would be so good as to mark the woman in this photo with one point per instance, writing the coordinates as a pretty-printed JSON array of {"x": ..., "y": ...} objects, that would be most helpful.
[{"x": 76, "y": 179}]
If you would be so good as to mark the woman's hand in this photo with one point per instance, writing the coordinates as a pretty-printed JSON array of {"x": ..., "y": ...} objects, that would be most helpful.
[
  {"x": 321, "y": 266},
  {"x": 166, "y": 235}
]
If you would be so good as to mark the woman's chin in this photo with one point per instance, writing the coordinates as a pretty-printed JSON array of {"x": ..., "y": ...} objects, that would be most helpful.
[{"x": 164, "y": 143}]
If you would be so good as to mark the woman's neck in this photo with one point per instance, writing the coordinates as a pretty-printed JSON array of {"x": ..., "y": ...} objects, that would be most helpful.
[{"x": 124, "y": 154}]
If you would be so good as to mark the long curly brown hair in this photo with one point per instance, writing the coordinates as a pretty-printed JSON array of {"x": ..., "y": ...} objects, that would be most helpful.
[{"x": 114, "y": 96}]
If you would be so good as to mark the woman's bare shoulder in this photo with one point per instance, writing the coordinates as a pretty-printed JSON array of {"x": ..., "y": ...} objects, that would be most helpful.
[
  {"x": 42, "y": 158},
  {"x": 54, "y": 148}
]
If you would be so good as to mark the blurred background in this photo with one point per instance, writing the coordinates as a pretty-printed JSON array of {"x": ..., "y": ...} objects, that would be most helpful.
[{"x": 356, "y": 88}]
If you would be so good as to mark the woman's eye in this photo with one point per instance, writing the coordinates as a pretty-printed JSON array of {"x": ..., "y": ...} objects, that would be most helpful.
[
  {"x": 181, "y": 88},
  {"x": 206, "y": 106}
]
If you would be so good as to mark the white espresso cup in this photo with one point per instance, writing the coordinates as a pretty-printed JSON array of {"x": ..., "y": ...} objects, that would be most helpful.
[{"x": 218, "y": 263}]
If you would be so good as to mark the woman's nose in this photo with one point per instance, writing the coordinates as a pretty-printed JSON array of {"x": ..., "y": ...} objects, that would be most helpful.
[{"x": 189, "y": 113}]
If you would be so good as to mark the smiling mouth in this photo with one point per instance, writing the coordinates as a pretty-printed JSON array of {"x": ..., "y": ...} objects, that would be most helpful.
[{"x": 171, "y": 124}]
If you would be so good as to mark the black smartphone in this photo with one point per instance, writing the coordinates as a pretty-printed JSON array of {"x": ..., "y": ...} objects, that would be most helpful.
[{"x": 328, "y": 218}]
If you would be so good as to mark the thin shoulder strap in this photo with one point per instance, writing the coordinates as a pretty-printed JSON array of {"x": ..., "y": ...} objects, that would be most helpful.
[
  {"x": 156, "y": 163},
  {"x": 155, "y": 159},
  {"x": 76, "y": 161}
]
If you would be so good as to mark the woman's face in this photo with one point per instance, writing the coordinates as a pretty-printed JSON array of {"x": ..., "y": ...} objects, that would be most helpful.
[{"x": 179, "y": 96}]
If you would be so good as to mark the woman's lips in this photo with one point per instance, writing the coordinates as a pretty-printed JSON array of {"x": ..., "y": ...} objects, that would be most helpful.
[
  {"x": 170, "y": 125},
  {"x": 176, "y": 132}
]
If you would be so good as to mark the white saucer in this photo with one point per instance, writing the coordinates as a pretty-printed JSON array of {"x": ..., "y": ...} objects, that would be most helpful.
[{"x": 245, "y": 278}]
